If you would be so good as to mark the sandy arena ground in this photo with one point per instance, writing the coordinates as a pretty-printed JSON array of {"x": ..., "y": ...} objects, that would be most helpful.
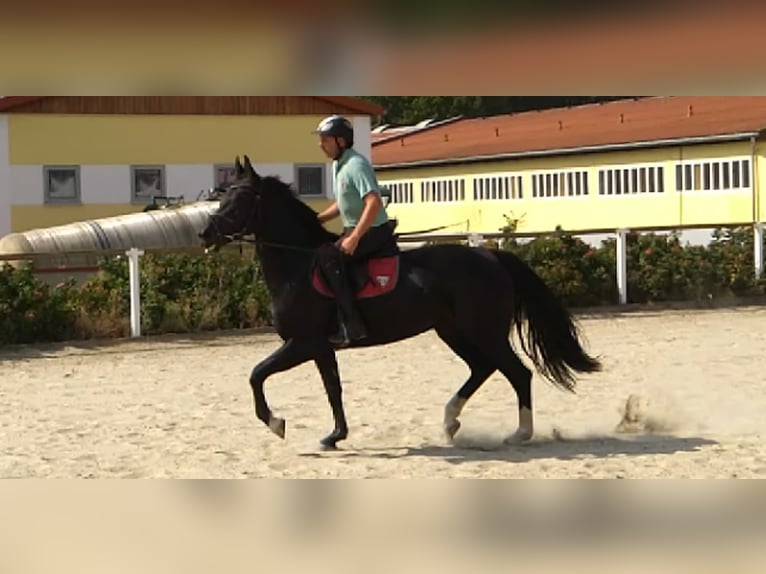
[{"x": 182, "y": 408}]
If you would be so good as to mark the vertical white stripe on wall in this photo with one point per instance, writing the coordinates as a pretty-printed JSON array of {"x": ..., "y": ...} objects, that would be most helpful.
[
  {"x": 363, "y": 136},
  {"x": 284, "y": 171},
  {"x": 105, "y": 184},
  {"x": 188, "y": 180},
  {"x": 5, "y": 179},
  {"x": 26, "y": 184}
]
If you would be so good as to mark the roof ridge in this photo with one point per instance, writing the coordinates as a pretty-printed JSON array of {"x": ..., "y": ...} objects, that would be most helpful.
[
  {"x": 8, "y": 103},
  {"x": 415, "y": 131}
]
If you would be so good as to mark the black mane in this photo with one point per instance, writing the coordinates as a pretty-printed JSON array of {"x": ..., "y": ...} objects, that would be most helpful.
[{"x": 304, "y": 215}]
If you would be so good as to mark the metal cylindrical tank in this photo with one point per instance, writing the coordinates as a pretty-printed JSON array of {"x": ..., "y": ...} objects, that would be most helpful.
[{"x": 82, "y": 243}]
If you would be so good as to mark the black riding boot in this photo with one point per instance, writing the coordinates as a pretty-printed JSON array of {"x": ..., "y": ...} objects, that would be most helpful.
[{"x": 352, "y": 326}]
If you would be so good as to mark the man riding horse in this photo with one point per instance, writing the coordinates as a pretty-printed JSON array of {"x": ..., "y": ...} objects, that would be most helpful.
[{"x": 366, "y": 226}]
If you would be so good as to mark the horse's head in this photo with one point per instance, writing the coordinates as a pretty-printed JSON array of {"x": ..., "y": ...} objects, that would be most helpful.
[{"x": 239, "y": 210}]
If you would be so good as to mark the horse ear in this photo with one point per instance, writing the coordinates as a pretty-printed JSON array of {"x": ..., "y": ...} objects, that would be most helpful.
[
  {"x": 239, "y": 171},
  {"x": 250, "y": 170}
]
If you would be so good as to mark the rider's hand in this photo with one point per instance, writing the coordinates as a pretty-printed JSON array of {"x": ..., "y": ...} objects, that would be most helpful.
[{"x": 349, "y": 244}]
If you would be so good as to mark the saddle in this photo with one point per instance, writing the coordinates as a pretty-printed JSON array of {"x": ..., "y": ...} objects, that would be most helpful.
[{"x": 376, "y": 276}]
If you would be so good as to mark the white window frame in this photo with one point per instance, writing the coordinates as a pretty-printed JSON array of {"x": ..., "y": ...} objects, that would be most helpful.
[
  {"x": 443, "y": 190},
  {"x": 554, "y": 184},
  {"x": 47, "y": 188},
  {"x": 134, "y": 170},
  {"x": 699, "y": 176},
  {"x": 498, "y": 187},
  {"x": 402, "y": 192},
  {"x": 320, "y": 166},
  {"x": 217, "y": 168},
  {"x": 644, "y": 179}
]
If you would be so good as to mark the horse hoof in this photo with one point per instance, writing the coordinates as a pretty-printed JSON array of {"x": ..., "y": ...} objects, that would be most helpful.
[
  {"x": 330, "y": 443},
  {"x": 520, "y": 437},
  {"x": 278, "y": 427},
  {"x": 451, "y": 430}
]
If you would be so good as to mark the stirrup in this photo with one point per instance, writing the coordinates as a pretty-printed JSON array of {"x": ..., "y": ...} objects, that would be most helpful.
[
  {"x": 343, "y": 338},
  {"x": 340, "y": 338}
]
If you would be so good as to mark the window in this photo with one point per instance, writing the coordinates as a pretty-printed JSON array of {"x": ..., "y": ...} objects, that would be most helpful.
[
  {"x": 442, "y": 190},
  {"x": 401, "y": 191},
  {"x": 573, "y": 183},
  {"x": 498, "y": 187},
  {"x": 62, "y": 184},
  {"x": 715, "y": 176},
  {"x": 631, "y": 180},
  {"x": 148, "y": 181},
  {"x": 310, "y": 180},
  {"x": 224, "y": 175}
]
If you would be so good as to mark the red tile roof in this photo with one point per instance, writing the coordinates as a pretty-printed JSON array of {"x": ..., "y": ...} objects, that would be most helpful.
[
  {"x": 8, "y": 103},
  {"x": 645, "y": 120}
]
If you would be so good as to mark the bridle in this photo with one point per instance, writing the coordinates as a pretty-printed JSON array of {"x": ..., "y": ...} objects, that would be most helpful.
[
  {"x": 215, "y": 217},
  {"x": 252, "y": 225}
]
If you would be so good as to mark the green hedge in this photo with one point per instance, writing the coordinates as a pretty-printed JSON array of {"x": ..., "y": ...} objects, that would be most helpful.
[
  {"x": 187, "y": 293},
  {"x": 179, "y": 293},
  {"x": 660, "y": 267}
]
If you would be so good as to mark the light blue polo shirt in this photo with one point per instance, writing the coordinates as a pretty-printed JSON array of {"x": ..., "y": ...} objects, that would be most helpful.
[{"x": 354, "y": 178}]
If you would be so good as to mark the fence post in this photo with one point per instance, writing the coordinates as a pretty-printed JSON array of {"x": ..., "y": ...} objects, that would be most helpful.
[
  {"x": 475, "y": 240},
  {"x": 758, "y": 241},
  {"x": 622, "y": 265},
  {"x": 134, "y": 256}
]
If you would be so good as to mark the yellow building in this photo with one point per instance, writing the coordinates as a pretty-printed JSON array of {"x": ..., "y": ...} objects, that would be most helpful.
[
  {"x": 636, "y": 163},
  {"x": 68, "y": 159}
]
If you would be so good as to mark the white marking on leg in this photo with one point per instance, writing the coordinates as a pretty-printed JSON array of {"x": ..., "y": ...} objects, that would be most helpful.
[
  {"x": 452, "y": 412},
  {"x": 526, "y": 422},
  {"x": 526, "y": 428},
  {"x": 454, "y": 409}
]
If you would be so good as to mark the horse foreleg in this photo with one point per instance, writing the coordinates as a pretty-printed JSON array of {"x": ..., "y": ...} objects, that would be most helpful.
[
  {"x": 452, "y": 413},
  {"x": 327, "y": 364},
  {"x": 290, "y": 355}
]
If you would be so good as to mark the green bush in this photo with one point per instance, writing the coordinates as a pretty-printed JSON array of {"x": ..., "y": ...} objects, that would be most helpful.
[
  {"x": 660, "y": 267},
  {"x": 225, "y": 290},
  {"x": 179, "y": 294},
  {"x": 31, "y": 311}
]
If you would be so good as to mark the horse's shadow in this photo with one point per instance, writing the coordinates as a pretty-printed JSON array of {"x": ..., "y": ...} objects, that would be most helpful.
[{"x": 590, "y": 447}]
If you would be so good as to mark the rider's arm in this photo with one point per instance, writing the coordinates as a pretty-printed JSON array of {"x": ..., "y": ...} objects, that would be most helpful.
[
  {"x": 372, "y": 205},
  {"x": 366, "y": 183},
  {"x": 329, "y": 214}
]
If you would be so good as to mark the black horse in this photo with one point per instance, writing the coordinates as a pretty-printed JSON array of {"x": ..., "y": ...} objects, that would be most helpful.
[{"x": 471, "y": 297}]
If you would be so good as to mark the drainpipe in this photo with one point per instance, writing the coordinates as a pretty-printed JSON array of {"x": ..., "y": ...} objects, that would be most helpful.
[
  {"x": 758, "y": 226},
  {"x": 754, "y": 180}
]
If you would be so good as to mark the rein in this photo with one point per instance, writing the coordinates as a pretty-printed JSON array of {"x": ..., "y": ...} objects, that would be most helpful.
[
  {"x": 255, "y": 211},
  {"x": 243, "y": 239}
]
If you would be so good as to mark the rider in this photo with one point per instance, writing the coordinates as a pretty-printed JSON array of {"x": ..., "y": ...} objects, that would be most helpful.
[{"x": 366, "y": 226}]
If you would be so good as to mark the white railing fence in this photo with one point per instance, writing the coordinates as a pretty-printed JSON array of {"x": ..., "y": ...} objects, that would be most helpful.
[{"x": 473, "y": 239}]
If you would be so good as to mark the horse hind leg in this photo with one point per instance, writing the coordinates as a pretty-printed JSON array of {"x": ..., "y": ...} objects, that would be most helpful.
[
  {"x": 520, "y": 377},
  {"x": 481, "y": 370}
]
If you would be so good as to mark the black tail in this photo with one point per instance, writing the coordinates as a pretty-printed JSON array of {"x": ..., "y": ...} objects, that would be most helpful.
[{"x": 552, "y": 338}]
